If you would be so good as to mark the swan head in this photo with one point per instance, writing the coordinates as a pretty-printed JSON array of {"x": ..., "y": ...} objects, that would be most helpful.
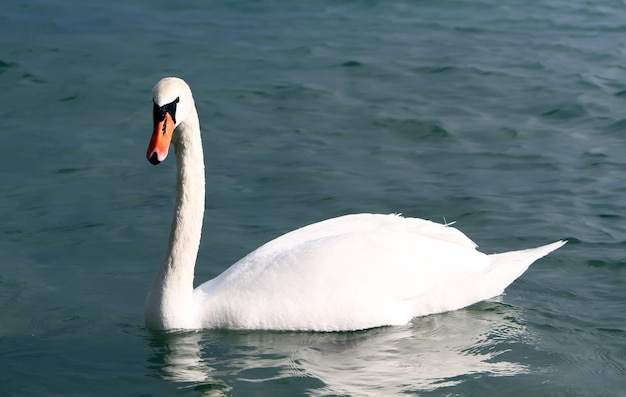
[{"x": 172, "y": 103}]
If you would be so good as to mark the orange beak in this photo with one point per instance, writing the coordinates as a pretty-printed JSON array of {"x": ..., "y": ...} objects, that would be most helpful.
[{"x": 161, "y": 139}]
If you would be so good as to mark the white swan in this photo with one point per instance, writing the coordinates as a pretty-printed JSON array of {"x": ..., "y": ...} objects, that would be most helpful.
[{"x": 347, "y": 273}]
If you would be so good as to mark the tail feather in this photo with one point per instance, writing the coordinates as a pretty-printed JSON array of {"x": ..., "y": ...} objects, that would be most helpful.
[
  {"x": 503, "y": 270},
  {"x": 508, "y": 266}
]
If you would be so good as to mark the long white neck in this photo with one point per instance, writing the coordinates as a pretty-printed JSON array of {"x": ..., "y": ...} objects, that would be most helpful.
[{"x": 170, "y": 301}]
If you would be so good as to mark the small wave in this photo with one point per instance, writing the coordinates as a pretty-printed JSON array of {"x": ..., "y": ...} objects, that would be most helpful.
[
  {"x": 414, "y": 129},
  {"x": 6, "y": 65},
  {"x": 351, "y": 64}
]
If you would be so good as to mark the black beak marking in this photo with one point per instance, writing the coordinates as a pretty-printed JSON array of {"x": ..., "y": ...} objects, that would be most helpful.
[{"x": 158, "y": 112}]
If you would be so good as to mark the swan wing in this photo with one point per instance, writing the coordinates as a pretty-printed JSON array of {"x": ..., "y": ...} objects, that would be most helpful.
[{"x": 351, "y": 272}]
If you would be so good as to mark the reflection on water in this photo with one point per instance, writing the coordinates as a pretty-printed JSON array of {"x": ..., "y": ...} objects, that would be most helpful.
[
  {"x": 179, "y": 359},
  {"x": 431, "y": 352}
]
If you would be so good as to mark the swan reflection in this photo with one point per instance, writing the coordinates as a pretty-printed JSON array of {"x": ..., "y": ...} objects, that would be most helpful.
[
  {"x": 178, "y": 358},
  {"x": 432, "y": 352}
]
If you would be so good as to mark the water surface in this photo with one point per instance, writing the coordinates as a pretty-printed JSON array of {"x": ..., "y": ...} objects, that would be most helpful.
[{"x": 506, "y": 118}]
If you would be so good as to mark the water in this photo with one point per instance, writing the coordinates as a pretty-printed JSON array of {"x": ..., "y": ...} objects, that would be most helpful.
[{"x": 506, "y": 118}]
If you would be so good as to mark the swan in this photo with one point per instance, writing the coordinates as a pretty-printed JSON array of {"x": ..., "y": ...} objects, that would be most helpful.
[{"x": 347, "y": 273}]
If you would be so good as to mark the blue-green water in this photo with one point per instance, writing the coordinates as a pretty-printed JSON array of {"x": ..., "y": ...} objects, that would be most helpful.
[{"x": 506, "y": 117}]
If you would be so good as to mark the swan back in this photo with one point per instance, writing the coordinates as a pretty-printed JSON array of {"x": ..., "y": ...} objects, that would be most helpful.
[{"x": 355, "y": 272}]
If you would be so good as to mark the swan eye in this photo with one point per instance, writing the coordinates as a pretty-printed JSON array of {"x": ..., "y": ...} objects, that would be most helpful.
[{"x": 158, "y": 112}]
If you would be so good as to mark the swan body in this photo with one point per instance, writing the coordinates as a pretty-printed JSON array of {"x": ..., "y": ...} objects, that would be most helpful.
[{"x": 347, "y": 273}]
